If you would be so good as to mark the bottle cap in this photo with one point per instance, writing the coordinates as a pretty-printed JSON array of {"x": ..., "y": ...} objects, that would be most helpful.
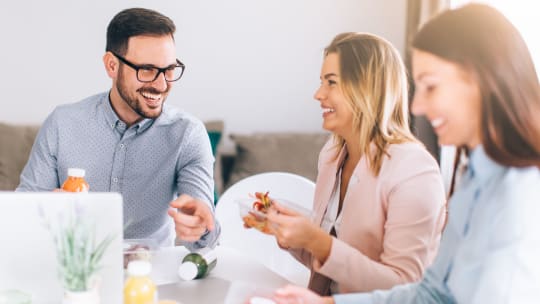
[
  {"x": 76, "y": 172},
  {"x": 139, "y": 268},
  {"x": 187, "y": 271}
]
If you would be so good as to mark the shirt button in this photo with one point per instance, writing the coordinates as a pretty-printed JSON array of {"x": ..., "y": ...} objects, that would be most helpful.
[
  {"x": 122, "y": 146},
  {"x": 115, "y": 180}
]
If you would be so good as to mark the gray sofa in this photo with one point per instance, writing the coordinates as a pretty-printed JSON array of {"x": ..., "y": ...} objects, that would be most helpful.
[
  {"x": 254, "y": 153},
  {"x": 15, "y": 144}
]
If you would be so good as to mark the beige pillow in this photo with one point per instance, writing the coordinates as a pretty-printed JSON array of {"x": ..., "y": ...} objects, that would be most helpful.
[
  {"x": 15, "y": 144},
  {"x": 288, "y": 152}
]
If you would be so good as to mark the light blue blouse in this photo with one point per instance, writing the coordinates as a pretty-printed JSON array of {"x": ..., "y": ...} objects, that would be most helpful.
[{"x": 490, "y": 249}]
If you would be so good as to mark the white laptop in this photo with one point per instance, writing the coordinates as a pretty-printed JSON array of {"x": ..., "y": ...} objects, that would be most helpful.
[{"x": 27, "y": 256}]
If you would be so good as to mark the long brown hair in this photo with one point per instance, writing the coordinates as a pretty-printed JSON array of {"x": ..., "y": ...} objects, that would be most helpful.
[
  {"x": 374, "y": 81},
  {"x": 480, "y": 39}
]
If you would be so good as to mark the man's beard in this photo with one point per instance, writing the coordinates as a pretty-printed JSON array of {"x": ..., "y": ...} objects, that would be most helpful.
[{"x": 132, "y": 101}]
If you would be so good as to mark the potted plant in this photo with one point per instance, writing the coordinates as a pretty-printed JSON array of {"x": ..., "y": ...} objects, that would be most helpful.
[{"x": 78, "y": 255}]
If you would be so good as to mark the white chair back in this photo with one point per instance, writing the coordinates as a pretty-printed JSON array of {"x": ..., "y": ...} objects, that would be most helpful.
[{"x": 254, "y": 243}]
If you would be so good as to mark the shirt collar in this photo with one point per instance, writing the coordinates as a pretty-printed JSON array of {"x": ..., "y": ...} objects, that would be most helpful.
[
  {"x": 168, "y": 115},
  {"x": 144, "y": 124},
  {"x": 113, "y": 120},
  {"x": 110, "y": 116},
  {"x": 481, "y": 166}
]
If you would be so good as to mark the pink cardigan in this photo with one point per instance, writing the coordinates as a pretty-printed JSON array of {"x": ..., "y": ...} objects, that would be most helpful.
[{"x": 391, "y": 224}]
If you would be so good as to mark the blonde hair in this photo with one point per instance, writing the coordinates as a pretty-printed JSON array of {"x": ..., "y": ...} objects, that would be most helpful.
[{"x": 374, "y": 82}]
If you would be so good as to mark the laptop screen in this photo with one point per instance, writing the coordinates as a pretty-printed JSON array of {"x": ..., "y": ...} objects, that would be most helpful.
[{"x": 28, "y": 259}]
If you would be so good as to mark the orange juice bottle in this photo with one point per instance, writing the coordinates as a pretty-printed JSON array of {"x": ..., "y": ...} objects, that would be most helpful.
[
  {"x": 75, "y": 181},
  {"x": 139, "y": 288}
]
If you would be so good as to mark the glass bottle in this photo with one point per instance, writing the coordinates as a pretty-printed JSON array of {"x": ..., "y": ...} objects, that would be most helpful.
[
  {"x": 75, "y": 181},
  {"x": 197, "y": 264},
  {"x": 139, "y": 288}
]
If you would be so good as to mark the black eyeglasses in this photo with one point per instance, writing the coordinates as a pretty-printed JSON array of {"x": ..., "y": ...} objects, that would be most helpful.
[{"x": 149, "y": 73}]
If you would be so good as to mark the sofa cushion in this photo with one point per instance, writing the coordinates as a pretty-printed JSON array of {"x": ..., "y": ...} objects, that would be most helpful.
[
  {"x": 15, "y": 144},
  {"x": 288, "y": 152}
]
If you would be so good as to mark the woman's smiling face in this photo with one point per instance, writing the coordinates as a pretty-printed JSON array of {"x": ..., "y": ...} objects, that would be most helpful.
[
  {"x": 337, "y": 114},
  {"x": 449, "y": 97}
]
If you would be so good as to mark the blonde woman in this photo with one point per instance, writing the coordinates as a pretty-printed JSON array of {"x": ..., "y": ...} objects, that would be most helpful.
[
  {"x": 476, "y": 83},
  {"x": 379, "y": 203}
]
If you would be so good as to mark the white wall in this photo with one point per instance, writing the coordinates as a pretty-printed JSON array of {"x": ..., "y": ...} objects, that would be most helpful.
[{"x": 254, "y": 64}]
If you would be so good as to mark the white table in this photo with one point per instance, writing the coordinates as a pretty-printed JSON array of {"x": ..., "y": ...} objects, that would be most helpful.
[{"x": 242, "y": 273}]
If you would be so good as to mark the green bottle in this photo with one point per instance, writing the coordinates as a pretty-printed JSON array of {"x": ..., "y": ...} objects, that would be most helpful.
[{"x": 197, "y": 264}]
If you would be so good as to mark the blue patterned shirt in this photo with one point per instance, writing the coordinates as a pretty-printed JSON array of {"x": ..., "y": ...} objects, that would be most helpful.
[
  {"x": 150, "y": 163},
  {"x": 490, "y": 249}
]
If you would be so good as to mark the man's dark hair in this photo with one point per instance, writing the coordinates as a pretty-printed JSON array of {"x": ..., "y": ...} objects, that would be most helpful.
[{"x": 136, "y": 22}]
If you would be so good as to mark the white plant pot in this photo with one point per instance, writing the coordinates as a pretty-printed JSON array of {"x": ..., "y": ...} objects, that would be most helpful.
[{"x": 81, "y": 297}]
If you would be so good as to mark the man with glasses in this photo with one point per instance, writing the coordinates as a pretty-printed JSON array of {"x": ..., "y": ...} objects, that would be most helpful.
[{"x": 159, "y": 158}]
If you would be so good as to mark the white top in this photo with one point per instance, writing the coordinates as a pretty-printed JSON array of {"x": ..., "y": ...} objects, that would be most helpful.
[{"x": 331, "y": 217}]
